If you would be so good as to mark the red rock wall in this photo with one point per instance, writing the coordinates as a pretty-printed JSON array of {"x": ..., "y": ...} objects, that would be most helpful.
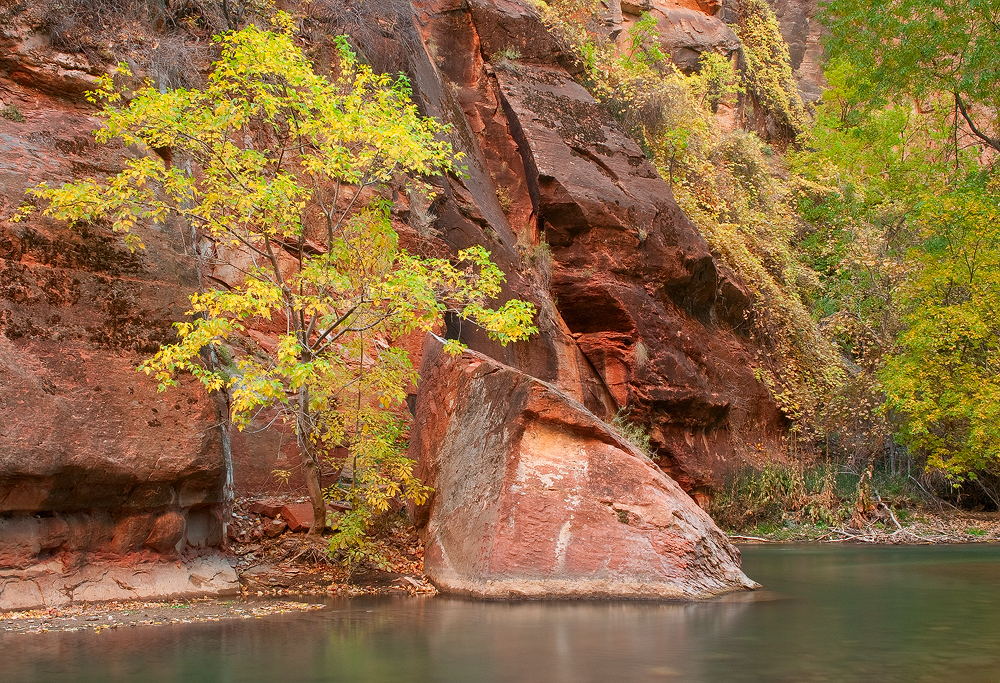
[
  {"x": 634, "y": 311},
  {"x": 632, "y": 307},
  {"x": 802, "y": 30},
  {"x": 631, "y": 280},
  {"x": 92, "y": 458}
]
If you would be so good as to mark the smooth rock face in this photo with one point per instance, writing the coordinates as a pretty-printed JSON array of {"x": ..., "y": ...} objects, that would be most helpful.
[
  {"x": 537, "y": 498},
  {"x": 168, "y": 532},
  {"x": 685, "y": 34},
  {"x": 51, "y": 584}
]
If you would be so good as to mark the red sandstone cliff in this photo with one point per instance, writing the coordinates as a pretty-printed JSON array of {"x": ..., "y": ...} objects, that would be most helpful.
[
  {"x": 634, "y": 310},
  {"x": 630, "y": 279}
]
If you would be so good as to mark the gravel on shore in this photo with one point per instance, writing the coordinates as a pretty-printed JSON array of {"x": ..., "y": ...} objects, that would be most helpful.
[{"x": 98, "y": 617}]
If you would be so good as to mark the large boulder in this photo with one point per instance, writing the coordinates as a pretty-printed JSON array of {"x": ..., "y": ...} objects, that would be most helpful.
[{"x": 535, "y": 497}]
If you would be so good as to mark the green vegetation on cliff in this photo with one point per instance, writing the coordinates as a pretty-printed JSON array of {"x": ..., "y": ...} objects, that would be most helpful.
[
  {"x": 767, "y": 76},
  {"x": 727, "y": 179},
  {"x": 866, "y": 229}
]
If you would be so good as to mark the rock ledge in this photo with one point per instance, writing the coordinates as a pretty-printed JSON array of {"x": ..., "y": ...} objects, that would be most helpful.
[{"x": 49, "y": 584}]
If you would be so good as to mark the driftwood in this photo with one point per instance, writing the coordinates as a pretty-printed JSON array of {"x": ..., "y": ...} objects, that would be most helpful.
[
  {"x": 900, "y": 536},
  {"x": 753, "y": 538},
  {"x": 899, "y": 527}
]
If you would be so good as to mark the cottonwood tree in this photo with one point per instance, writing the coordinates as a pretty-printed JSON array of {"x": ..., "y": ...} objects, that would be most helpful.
[
  {"x": 924, "y": 48},
  {"x": 944, "y": 379},
  {"x": 282, "y": 167},
  {"x": 907, "y": 145}
]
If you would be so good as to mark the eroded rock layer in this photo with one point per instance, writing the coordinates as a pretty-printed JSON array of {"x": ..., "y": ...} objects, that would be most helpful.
[
  {"x": 618, "y": 264},
  {"x": 537, "y": 498},
  {"x": 51, "y": 583}
]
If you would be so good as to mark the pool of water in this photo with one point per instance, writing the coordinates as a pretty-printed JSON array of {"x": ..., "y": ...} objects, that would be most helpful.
[{"x": 829, "y": 613}]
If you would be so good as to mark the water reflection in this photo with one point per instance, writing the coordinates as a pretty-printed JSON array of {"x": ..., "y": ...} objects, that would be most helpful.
[
  {"x": 874, "y": 614},
  {"x": 844, "y": 614}
]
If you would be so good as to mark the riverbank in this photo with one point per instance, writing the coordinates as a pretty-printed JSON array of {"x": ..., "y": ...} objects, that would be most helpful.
[
  {"x": 267, "y": 588},
  {"x": 920, "y": 527},
  {"x": 276, "y": 572},
  {"x": 281, "y": 574},
  {"x": 103, "y": 616},
  {"x": 271, "y": 583},
  {"x": 298, "y": 566},
  {"x": 274, "y": 557}
]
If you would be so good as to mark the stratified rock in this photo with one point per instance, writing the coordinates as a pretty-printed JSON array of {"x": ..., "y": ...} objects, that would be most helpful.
[
  {"x": 27, "y": 58},
  {"x": 91, "y": 457},
  {"x": 634, "y": 311},
  {"x": 51, "y": 583},
  {"x": 452, "y": 82},
  {"x": 537, "y": 498}
]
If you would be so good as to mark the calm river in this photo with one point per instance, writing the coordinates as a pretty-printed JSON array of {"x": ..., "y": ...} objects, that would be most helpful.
[{"x": 830, "y": 613}]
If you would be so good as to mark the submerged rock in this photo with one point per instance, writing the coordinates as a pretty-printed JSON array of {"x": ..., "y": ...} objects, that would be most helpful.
[{"x": 537, "y": 498}]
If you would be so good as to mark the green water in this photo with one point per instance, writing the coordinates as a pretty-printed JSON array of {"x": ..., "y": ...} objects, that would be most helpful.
[{"x": 830, "y": 613}]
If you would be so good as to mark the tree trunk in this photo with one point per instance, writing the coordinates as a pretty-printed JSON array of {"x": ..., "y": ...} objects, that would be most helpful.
[{"x": 310, "y": 465}]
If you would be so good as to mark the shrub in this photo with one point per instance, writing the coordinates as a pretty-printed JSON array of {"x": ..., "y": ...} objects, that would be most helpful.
[
  {"x": 12, "y": 113},
  {"x": 634, "y": 433}
]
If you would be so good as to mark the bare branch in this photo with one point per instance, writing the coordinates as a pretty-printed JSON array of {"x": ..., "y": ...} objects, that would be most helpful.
[{"x": 992, "y": 142}]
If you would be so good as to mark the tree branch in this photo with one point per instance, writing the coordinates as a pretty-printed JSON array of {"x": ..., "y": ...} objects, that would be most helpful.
[
  {"x": 346, "y": 330},
  {"x": 992, "y": 142},
  {"x": 339, "y": 322}
]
